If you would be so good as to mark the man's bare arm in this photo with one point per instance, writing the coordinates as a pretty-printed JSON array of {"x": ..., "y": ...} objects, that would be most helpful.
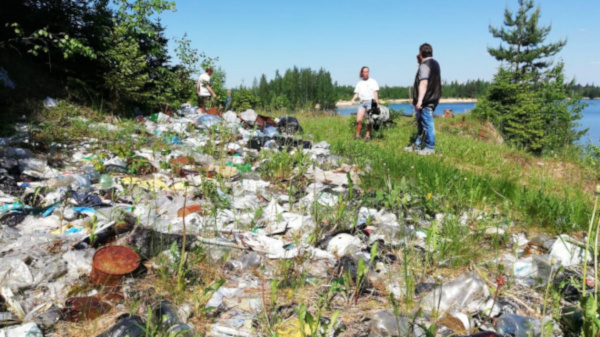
[{"x": 422, "y": 89}]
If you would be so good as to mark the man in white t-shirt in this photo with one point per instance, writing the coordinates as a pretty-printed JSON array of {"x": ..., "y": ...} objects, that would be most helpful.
[
  {"x": 204, "y": 91},
  {"x": 366, "y": 90}
]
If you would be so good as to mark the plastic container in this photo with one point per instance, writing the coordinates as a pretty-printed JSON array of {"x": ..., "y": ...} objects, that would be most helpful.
[
  {"x": 518, "y": 326},
  {"x": 111, "y": 264}
]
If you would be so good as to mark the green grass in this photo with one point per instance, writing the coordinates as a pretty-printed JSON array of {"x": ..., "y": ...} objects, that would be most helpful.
[{"x": 467, "y": 171}]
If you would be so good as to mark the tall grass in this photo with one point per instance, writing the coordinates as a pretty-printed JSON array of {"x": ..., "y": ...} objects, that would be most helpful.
[{"x": 466, "y": 171}]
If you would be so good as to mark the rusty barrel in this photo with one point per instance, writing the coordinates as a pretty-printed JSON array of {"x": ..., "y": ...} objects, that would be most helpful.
[{"x": 111, "y": 263}]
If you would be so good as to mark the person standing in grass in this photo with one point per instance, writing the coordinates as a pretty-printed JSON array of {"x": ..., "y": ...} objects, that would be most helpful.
[
  {"x": 366, "y": 90},
  {"x": 228, "y": 104},
  {"x": 427, "y": 92},
  {"x": 204, "y": 91}
]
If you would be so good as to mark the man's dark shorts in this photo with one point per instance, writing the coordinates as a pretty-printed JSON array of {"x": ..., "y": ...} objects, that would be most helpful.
[{"x": 203, "y": 101}]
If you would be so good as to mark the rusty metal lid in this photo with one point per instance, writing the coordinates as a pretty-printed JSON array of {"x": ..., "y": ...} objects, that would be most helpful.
[{"x": 116, "y": 260}]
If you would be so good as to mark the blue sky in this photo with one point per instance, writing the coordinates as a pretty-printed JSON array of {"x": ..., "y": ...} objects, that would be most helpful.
[{"x": 255, "y": 37}]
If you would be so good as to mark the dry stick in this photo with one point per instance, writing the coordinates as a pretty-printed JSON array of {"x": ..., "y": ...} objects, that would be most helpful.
[
  {"x": 521, "y": 303},
  {"x": 183, "y": 242},
  {"x": 595, "y": 263},
  {"x": 587, "y": 247},
  {"x": 494, "y": 302}
]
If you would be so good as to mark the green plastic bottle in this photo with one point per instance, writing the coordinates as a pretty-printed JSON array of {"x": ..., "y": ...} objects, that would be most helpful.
[{"x": 106, "y": 181}]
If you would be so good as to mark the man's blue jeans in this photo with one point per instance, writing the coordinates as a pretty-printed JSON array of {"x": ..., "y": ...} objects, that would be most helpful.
[{"x": 426, "y": 130}]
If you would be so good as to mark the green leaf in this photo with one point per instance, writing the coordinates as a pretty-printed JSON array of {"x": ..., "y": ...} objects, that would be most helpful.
[
  {"x": 373, "y": 252},
  {"x": 361, "y": 270},
  {"x": 589, "y": 307},
  {"x": 310, "y": 320}
]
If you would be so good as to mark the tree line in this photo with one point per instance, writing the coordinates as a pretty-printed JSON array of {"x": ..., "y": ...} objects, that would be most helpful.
[
  {"x": 298, "y": 88},
  {"x": 454, "y": 89}
]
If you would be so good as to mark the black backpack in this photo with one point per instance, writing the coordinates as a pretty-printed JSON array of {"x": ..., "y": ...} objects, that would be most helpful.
[{"x": 288, "y": 125}]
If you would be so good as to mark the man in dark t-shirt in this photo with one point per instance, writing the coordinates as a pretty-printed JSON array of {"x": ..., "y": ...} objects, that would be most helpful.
[{"x": 426, "y": 96}]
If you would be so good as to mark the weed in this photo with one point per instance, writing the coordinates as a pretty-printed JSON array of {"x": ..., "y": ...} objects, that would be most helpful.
[
  {"x": 280, "y": 166},
  {"x": 313, "y": 325}
]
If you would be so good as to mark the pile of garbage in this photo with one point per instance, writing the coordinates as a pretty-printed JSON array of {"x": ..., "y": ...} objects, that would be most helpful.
[{"x": 78, "y": 241}]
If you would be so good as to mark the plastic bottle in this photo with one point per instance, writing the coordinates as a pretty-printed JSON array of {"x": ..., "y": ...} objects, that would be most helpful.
[
  {"x": 126, "y": 325},
  {"x": 518, "y": 326},
  {"x": 106, "y": 181},
  {"x": 55, "y": 196},
  {"x": 15, "y": 152},
  {"x": 385, "y": 323},
  {"x": 245, "y": 262},
  {"x": 170, "y": 322},
  {"x": 90, "y": 173},
  {"x": 34, "y": 164},
  {"x": 81, "y": 183},
  {"x": 484, "y": 334},
  {"x": 61, "y": 181}
]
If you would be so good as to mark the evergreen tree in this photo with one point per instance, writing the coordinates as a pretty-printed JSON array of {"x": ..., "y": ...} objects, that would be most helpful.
[
  {"x": 525, "y": 37},
  {"x": 529, "y": 101}
]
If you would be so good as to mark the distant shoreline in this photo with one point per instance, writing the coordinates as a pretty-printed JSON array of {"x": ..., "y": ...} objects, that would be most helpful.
[{"x": 406, "y": 100}]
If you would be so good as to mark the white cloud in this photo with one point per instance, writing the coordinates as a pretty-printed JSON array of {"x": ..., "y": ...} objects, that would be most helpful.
[
  {"x": 595, "y": 63},
  {"x": 582, "y": 30}
]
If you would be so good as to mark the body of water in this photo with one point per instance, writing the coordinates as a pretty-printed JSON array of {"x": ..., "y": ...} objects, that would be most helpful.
[{"x": 590, "y": 120}]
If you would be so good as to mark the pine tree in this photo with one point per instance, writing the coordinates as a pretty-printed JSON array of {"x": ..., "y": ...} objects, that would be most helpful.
[
  {"x": 525, "y": 37},
  {"x": 528, "y": 100}
]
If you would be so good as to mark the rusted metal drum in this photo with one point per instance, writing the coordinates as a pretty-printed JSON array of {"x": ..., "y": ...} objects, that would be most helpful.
[{"x": 111, "y": 263}]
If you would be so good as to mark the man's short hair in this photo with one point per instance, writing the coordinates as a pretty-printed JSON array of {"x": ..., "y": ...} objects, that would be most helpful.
[
  {"x": 426, "y": 50},
  {"x": 208, "y": 69}
]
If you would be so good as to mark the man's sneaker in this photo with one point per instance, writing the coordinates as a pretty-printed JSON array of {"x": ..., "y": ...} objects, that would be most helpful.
[
  {"x": 410, "y": 148},
  {"x": 425, "y": 152}
]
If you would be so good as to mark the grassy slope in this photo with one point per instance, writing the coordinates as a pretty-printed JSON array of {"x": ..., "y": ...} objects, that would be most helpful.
[{"x": 470, "y": 169}]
